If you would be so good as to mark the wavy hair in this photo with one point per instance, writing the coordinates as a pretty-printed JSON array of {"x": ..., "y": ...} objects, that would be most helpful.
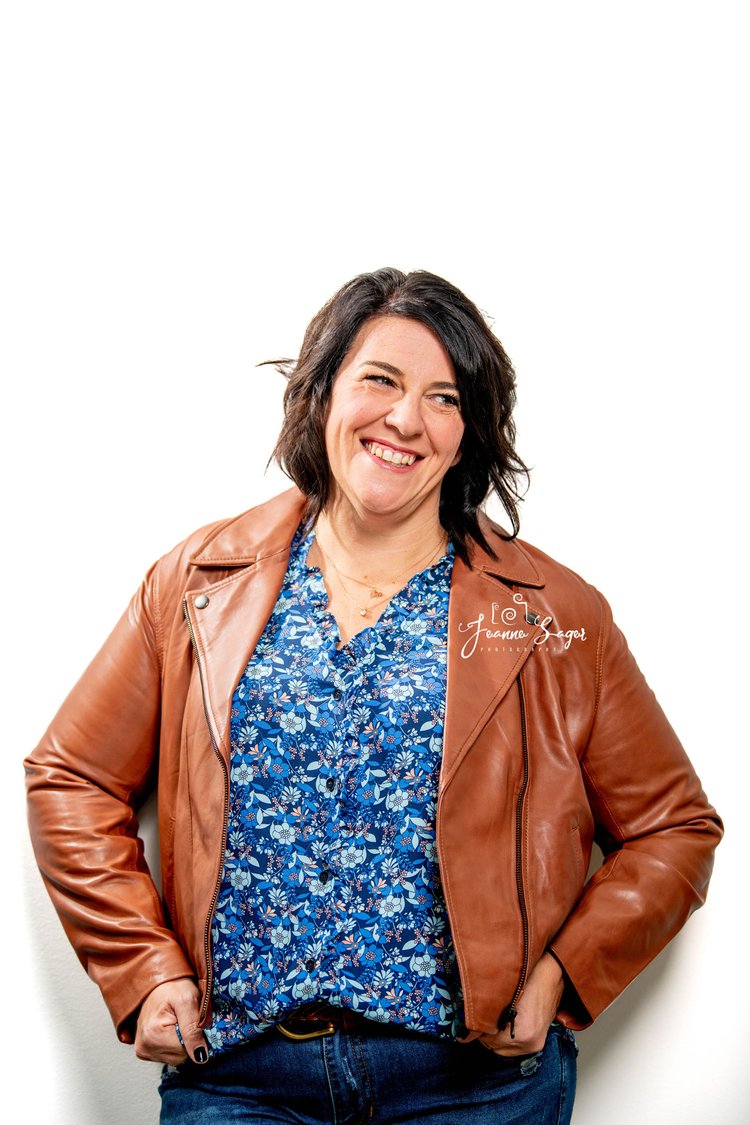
[{"x": 486, "y": 383}]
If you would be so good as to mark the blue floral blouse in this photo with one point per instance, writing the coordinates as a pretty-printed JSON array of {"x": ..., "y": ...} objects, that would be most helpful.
[{"x": 331, "y": 888}]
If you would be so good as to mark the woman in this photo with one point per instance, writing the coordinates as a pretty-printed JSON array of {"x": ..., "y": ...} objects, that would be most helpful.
[{"x": 387, "y": 733}]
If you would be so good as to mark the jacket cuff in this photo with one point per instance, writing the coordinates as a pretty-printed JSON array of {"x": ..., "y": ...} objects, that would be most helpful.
[
  {"x": 124, "y": 1000},
  {"x": 572, "y": 1011}
]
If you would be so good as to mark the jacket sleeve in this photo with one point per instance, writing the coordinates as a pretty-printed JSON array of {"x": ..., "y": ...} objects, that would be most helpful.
[
  {"x": 85, "y": 779},
  {"x": 656, "y": 829}
]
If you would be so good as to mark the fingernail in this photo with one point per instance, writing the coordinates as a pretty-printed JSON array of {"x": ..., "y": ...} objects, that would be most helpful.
[{"x": 201, "y": 1055}]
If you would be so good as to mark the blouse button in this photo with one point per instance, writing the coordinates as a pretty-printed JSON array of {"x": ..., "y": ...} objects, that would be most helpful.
[
  {"x": 336, "y": 695},
  {"x": 309, "y": 965},
  {"x": 330, "y": 784},
  {"x": 201, "y": 601},
  {"x": 325, "y": 876}
]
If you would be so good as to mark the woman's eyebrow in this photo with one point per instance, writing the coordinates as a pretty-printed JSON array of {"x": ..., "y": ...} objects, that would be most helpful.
[
  {"x": 381, "y": 363},
  {"x": 397, "y": 371}
]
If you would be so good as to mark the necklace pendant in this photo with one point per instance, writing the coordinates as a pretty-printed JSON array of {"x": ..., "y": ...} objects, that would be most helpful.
[{"x": 363, "y": 613}]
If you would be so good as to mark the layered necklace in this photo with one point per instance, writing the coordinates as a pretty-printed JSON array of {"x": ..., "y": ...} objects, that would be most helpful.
[{"x": 376, "y": 595}]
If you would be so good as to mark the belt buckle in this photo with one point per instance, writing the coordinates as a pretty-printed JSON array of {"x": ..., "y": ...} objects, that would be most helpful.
[{"x": 328, "y": 1028}]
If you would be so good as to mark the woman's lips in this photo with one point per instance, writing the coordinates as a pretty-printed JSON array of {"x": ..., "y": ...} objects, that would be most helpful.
[{"x": 396, "y": 457}]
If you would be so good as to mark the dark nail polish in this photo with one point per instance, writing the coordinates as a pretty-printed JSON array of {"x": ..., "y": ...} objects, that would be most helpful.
[{"x": 201, "y": 1055}]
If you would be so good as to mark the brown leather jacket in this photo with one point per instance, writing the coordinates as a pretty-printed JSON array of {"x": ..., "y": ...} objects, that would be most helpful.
[{"x": 552, "y": 737}]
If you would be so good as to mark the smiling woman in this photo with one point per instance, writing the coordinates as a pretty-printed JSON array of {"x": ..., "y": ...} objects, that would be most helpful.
[
  {"x": 436, "y": 332},
  {"x": 391, "y": 438},
  {"x": 387, "y": 733}
]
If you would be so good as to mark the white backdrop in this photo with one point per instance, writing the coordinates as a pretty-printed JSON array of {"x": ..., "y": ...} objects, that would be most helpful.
[{"x": 183, "y": 185}]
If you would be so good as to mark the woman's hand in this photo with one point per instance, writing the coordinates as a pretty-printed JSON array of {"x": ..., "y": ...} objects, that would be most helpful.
[
  {"x": 171, "y": 1003},
  {"x": 536, "y": 1010}
]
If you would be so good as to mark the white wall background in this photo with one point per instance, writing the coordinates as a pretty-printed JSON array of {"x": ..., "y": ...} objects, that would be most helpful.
[{"x": 183, "y": 185}]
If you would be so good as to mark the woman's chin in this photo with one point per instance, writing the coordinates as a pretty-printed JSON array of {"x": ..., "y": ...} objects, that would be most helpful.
[
  {"x": 382, "y": 504},
  {"x": 397, "y": 512}
]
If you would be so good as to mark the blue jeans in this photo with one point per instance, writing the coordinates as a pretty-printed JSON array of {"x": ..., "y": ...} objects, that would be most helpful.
[{"x": 385, "y": 1076}]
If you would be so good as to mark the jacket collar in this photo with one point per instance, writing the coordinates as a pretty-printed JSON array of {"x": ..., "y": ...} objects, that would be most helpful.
[
  {"x": 512, "y": 562},
  {"x": 268, "y": 530},
  {"x": 257, "y": 534}
]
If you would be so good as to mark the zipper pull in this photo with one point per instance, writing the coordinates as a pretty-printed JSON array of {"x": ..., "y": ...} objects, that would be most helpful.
[{"x": 509, "y": 1017}]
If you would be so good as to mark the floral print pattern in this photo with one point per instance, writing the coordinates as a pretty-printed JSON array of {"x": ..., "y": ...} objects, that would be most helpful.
[{"x": 331, "y": 887}]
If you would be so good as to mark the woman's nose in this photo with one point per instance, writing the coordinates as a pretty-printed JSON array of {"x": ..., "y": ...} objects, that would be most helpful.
[{"x": 405, "y": 415}]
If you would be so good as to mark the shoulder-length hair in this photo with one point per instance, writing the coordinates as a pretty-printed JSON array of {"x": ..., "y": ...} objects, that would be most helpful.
[{"x": 486, "y": 384}]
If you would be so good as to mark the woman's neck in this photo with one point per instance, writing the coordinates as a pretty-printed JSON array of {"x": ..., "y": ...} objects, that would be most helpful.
[{"x": 378, "y": 548}]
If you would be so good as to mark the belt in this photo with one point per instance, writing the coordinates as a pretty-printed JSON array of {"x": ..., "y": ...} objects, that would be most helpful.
[{"x": 316, "y": 1020}]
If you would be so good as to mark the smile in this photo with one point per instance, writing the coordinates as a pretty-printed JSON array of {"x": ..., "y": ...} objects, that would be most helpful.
[{"x": 391, "y": 456}]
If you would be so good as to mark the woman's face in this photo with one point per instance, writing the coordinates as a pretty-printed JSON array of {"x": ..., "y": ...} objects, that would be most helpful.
[{"x": 394, "y": 423}]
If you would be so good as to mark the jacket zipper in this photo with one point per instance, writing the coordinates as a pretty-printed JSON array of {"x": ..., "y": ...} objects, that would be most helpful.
[
  {"x": 510, "y": 1013},
  {"x": 217, "y": 888}
]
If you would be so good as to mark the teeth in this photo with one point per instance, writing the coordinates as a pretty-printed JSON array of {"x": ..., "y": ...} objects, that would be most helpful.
[{"x": 392, "y": 456}]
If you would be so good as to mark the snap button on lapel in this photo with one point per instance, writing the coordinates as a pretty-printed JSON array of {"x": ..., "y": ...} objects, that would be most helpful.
[
  {"x": 531, "y": 618},
  {"x": 201, "y": 601}
]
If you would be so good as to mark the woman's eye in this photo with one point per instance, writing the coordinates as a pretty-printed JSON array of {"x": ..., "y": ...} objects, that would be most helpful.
[
  {"x": 448, "y": 400},
  {"x": 384, "y": 380}
]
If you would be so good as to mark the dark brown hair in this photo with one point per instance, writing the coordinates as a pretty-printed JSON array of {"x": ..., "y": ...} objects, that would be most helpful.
[{"x": 486, "y": 384}]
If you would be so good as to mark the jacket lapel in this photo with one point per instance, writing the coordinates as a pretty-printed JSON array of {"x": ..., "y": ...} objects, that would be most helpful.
[
  {"x": 226, "y": 631},
  {"x": 227, "y": 618},
  {"x": 491, "y": 633}
]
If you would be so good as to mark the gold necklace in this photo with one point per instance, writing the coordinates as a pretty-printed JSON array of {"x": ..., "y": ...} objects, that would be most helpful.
[
  {"x": 363, "y": 610},
  {"x": 374, "y": 591}
]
